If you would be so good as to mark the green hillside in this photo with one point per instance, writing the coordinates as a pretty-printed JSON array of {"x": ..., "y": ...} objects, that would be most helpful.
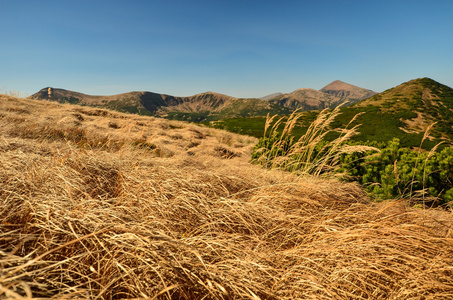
[
  {"x": 396, "y": 124},
  {"x": 403, "y": 112}
]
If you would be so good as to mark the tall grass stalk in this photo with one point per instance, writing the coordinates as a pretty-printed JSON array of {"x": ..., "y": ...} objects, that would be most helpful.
[
  {"x": 311, "y": 153},
  {"x": 409, "y": 191}
]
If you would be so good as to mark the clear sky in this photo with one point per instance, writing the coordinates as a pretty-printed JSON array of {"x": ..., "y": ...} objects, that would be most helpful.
[{"x": 243, "y": 48}]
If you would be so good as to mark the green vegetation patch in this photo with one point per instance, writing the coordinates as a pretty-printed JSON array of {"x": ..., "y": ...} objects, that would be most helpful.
[
  {"x": 196, "y": 117},
  {"x": 386, "y": 169},
  {"x": 249, "y": 126},
  {"x": 396, "y": 172},
  {"x": 376, "y": 124},
  {"x": 70, "y": 100}
]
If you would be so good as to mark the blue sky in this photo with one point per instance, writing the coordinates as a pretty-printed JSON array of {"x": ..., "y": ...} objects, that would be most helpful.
[{"x": 245, "y": 48}]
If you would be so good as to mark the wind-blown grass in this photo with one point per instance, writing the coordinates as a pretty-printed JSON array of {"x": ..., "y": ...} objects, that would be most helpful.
[
  {"x": 128, "y": 222},
  {"x": 311, "y": 153}
]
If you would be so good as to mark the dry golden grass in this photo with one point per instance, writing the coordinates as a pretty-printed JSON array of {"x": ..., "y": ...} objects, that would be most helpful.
[
  {"x": 101, "y": 205},
  {"x": 310, "y": 154}
]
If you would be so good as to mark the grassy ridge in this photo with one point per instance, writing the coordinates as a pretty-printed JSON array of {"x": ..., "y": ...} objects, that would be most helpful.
[{"x": 207, "y": 106}]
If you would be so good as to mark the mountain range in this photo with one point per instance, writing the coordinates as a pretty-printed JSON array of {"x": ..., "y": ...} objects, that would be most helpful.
[
  {"x": 405, "y": 111},
  {"x": 210, "y": 105}
]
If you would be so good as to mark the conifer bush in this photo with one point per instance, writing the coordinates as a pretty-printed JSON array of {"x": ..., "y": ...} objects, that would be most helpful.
[{"x": 397, "y": 172}]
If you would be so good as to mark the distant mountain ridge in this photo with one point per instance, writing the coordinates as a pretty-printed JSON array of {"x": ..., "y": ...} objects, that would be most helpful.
[
  {"x": 332, "y": 95},
  {"x": 197, "y": 108},
  {"x": 211, "y": 105},
  {"x": 306, "y": 99}
]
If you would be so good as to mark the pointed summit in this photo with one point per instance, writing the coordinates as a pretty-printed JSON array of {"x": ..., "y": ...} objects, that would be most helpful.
[
  {"x": 338, "y": 85},
  {"x": 343, "y": 91}
]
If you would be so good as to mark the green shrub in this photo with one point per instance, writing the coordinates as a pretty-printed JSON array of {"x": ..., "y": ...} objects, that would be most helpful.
[{"x": 397, "y": 172}]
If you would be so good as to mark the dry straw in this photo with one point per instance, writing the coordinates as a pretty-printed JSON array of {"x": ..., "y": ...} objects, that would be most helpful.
[{"x": 86, "y": 222}]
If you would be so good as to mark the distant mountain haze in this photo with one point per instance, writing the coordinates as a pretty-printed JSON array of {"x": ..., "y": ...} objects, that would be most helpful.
[
  {"x": 211, "y": 105},
  {"x": 271, "y": 96}
]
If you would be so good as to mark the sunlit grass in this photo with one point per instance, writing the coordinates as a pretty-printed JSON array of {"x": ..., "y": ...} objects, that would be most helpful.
[{"x": 163, "y": 210}]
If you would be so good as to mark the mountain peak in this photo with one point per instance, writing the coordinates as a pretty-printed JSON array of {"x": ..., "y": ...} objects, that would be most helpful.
[
  {"x": 423, "y": 81},
  {"x": 347, "y": 92},
  {"x": 421, "y": 92},
  {"x": 335, "y": 85},
  {"x": 338, "y": 85}
]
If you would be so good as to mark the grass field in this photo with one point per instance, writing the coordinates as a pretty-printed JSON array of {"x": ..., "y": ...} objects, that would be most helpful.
[{"x": 96, "y": 204}]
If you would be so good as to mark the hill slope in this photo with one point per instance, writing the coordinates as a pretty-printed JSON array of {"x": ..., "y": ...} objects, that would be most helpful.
[
  {"x": 267, "y": 97},
  {"x": 406, "y": 111},
  {"x": 101, "y": 204}
]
